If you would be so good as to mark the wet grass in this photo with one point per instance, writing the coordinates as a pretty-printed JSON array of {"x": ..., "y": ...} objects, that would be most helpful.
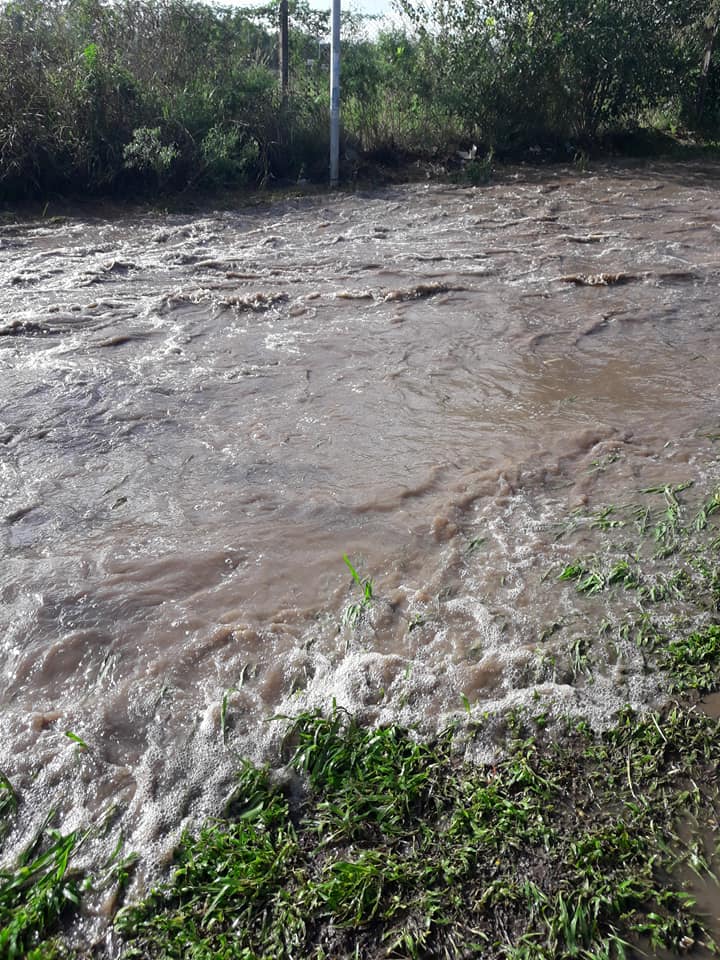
[
  {"x": 39, "y": 889},
  {"x": 355, "y": 612},
  {"x": 8, "y": 805},
  {"x": 42, "y": 886},
  {"x": 373, "y": 843},
  {"x": 657, "y": 561}
]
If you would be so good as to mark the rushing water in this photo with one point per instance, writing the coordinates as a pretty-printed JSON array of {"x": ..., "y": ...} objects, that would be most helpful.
[{"x": 200, "y": 414}]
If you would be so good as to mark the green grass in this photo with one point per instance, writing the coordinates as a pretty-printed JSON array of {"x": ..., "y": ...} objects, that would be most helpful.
[
  {"x": 8, "y": 805},
  {"x": 694, "y": 660},
  {"x": 37, "y": 891},
  {"x": 41, "y": 887},
  {"x": 657, "y": 562},
  {"x": 398, "y": 848},
  {"x": 355, "y": 612}
]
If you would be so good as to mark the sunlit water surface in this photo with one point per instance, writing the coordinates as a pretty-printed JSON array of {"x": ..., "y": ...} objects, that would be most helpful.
[{"x": 200, "y": 414}]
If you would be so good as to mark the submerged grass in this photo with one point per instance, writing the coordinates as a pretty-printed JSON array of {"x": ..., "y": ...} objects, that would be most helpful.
[
  {"x": 42, "y": 886},
  {"x": 355, "y": 612},
  {"x": 662, "y": 554}
]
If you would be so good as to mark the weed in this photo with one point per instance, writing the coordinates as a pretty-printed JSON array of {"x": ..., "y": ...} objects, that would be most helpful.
[
  {"x": 42, "y": 887},
  {"x": 475, "y": 544},
  {"x": 579, "y": 657},
  {"x": 354, "y": 612},
  {"x": 76, "y": 739},
  {"x": 224, "y": 703},
  {"x": 604, "y": 520},
  {"x": 378, "y": 843},
  {"x": 8, "y": 805},
  {"x": 694, "y": 661}
]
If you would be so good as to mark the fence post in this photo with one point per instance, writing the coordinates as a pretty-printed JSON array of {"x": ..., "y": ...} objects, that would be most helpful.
[{"x": 335, "y": 94}]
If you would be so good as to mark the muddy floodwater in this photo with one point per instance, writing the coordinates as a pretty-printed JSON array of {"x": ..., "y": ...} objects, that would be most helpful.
[{"x": 201, "y": 414}]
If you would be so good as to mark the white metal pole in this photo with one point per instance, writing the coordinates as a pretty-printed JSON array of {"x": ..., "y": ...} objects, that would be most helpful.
[{"x": 335, "y": 93}]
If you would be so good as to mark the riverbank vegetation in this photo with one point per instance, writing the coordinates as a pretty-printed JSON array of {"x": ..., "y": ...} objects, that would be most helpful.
[
  {"x": 171, "y": 95},
  {"x": 375, "y": 843},
  {"x": 388, "y": 847},
  {"x": 370, "y": 844}
]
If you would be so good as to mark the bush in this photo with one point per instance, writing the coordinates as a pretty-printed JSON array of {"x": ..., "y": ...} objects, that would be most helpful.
[
  {"x": 147, "y": 154},
  {"x": 517, "y": 71},
  {"x": 166, "y": 94}
]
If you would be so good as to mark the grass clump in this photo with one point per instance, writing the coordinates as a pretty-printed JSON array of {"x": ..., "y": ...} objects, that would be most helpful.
[
  {"x": 662, "y": 552},
  {"x": 8, "y": 805},
  {"x": 377, "y": 845},
  {"x": 373, "y": 843},
  {"x": 354, "y": 612},
  {"x": 695, "y": 660},
  {"x": 37, "y": 891},
  {"x": 42, "y": 886}
]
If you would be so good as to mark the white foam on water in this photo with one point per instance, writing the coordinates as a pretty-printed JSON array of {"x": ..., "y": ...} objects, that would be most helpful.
[{"x": 196, "y": 472}]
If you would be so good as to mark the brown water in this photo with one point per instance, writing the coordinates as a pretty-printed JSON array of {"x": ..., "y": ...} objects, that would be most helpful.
[{"x": 199, "y": 415}]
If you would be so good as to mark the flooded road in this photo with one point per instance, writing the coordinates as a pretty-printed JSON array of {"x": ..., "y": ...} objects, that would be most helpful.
[{"x": 201, "y": 414}]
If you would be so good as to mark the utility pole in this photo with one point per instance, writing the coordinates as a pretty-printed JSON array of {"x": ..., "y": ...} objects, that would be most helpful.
[
  {"x": 284, "y": 47},
  {"x": 335, "y": 93}
]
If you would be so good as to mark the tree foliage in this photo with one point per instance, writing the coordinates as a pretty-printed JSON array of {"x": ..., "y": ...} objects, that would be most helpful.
[
  {"x": 171, "y": 94},
  {"x": 521, "y": 69}
]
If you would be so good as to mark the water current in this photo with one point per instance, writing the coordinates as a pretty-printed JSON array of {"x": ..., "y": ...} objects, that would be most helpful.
[{"x": 201, "y": 414}]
